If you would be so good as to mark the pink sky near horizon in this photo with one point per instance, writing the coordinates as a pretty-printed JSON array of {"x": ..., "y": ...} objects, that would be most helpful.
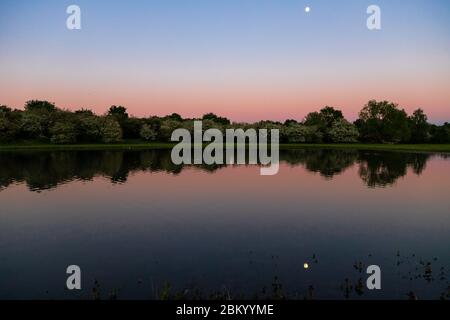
[{"x": 239, "y": 103}]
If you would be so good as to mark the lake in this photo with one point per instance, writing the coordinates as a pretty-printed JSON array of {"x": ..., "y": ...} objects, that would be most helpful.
[{"x": 142, "y": 228}]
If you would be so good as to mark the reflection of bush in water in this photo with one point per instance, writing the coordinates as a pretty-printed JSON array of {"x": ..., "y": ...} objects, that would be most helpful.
[
  {"x": 376, "y": 169},
  {"x": 384, "y": 168},
  {"x": 46, "y": 169},
  {"x": 328, "y": 162}
]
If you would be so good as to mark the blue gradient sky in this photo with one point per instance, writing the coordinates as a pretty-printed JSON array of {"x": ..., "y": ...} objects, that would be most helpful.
[{"x": 245, "y": 59}]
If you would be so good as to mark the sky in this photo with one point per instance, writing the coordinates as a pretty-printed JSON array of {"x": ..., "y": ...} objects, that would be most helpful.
[{"x": 248, "y": 60}]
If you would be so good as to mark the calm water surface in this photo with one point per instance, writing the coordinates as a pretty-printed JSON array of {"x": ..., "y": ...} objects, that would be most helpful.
[{"x": 137, "y": 224}]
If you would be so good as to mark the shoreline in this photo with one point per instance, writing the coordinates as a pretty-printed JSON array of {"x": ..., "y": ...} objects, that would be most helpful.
[{"x": 162, "y": 145}]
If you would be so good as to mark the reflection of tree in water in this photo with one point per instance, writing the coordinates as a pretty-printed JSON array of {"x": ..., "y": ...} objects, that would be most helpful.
[
  {"x": 380, "y": 169},
  {"x": 47, "y": 169},
  {"x": 376, "y": 169},
  {"x": 328, "y": 162}
]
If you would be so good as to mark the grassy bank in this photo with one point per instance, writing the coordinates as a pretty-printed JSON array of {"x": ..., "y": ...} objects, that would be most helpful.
[
  {"x": 157, "y": 145},
  {"x": 93, "y": 146},
  {"x": 385, "y": 147}
]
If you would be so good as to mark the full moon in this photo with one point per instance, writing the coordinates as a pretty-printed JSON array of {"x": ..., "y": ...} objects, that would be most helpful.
[{"x": 307, "y": 9}]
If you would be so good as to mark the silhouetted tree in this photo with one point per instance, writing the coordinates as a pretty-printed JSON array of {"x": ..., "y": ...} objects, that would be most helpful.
[
  {"x": 131, "y": 128},
  {"x": 118, "y": 112},
  {"x": 324, "y": 120},
  {"x": 216, "y": 119},
  {"x": 330, "y": 115},
  {"x": 9, "y": 124},
  {"x": 110, "y": 130},
  {"x": 37, "y": 119},
  {"x": 148, "y": 133},
  {"x": 174, "y": 116},
  {"x": 290, "y": 122},
  {"x": 315, "y": 119},
  {"x": 39, "y": 106},
  {"x": 383, "y": 122},
  {"x": 419, "y": 127},
  {"x": 343, "y": 131},
  {"x": 440, "y": 134},
  {"x": 84, "y": 112}
]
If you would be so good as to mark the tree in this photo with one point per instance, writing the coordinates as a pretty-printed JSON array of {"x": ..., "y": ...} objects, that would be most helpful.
[
  {"x": 63, "y": 132},
  {"x": 314, "y": 119},
  {"x": 9, "y": 123},
  {"x": 5, "y": 109},
  {"x": 34, "y": 126},
  {"x": 294, "y": 133},
  {"x": 299, "y": 133},
  {"x": 216, "y": 119},
  {"x": 148, "y": 133},
  {"x": 38, "y": 118},
  {"x": 383, "y": 122},
  {"x": 420, "y": 129},
  {"x": 174, "y": 116},
  {"x": 88, "y": 127},
  {"x": 131, "y": 128},
  {"x": 39, "y": 106},
  {"x": 167, "y": 127},
  {"x": 343, "y": 131},
  {"x": 331, "y": 115},
  {"x": 440, "y": 134},
  {"x": 119, "y": 112},
  {"x": 5, "y": 129},
  {"x": 110, "y": 130},
  {"x": 266, "y": 124},
  {"x": 290, "y": 122},
  {"x": 324, "y": 120},
  {"x": 84, "y": 112}
]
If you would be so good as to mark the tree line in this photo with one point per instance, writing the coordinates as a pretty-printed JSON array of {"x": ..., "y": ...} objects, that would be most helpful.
[{"x": 378, "y": 122}]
